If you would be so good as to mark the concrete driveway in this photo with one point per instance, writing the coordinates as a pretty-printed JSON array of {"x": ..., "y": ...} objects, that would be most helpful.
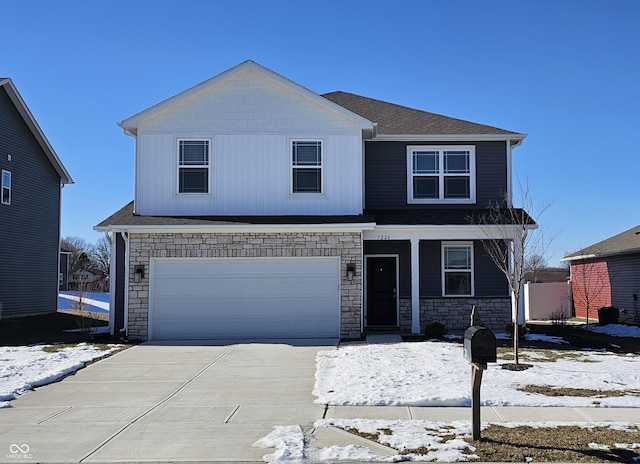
[{"x": 164, "y": 402}]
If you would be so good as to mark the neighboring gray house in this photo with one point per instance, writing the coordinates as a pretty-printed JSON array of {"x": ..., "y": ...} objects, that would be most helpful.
[
  {"x": 32, "y": 179},
  {"x": 263, "y": 209},
  {"x": 63, "y": 277},
  {"x": 607, "y": 274}
]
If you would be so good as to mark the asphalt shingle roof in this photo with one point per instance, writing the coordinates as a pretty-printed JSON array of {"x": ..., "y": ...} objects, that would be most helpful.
[
  {"x": 126, "y": 217},
  {"x": 624, "y": 243},
  {"x": 437, "y": 216},
  {"x": 397, "y": 119},
  {"x": 449, "y": 216}
]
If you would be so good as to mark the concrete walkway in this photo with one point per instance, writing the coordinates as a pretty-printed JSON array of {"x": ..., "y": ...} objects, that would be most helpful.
[{"x": 205, "y": 403}]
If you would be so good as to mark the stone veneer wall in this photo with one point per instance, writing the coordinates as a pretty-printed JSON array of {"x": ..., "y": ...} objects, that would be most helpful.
[
  {"x": 405, "y": 314},
  {"x": 455, "y": 313},
  {"x": 346, "y": 245}
]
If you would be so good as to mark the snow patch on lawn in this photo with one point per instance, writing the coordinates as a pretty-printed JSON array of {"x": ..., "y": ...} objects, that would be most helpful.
[
  {"x": 23, "y": 368},
  {"x": 617, "y": 330},
  {"x": 436, "y": 374}
]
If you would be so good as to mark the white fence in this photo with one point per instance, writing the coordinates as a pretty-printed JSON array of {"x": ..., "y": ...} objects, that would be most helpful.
[{"x": 543, "y": 300}]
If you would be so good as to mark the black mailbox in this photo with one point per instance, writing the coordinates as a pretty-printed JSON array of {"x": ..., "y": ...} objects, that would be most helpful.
[{"x": 479, "y": 345}]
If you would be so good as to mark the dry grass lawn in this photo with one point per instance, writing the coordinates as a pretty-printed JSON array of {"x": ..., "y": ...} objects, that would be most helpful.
[{"x": 558, "y": 444}]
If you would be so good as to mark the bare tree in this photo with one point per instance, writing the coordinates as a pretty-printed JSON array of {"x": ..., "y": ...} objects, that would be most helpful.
[
  {"x": 81, "y": 252},
  {"x": 509, "y": 237},
  {"x": 535, "y": 262},
  {"x": 101, "y": 255}
]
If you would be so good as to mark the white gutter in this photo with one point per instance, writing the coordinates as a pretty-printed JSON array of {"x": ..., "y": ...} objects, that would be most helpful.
[
  {"x": 515, "y": 139},
  {"x": 125, "y": 237},
  {"x": 240, "y": 228},
  {"x": 509, "y": 175}
]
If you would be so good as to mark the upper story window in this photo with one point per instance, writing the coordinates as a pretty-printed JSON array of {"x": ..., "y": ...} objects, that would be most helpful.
[
  {"x": 441, "y": 174},
  {"x": 193, "y": 166},
  {"x": 6, "y": 187},
  {"x": 457, "y": 269},
  {"x": 306, "y": 164}
]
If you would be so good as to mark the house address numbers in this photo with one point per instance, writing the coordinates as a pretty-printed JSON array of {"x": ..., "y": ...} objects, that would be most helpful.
[{"x": 384, "y": 237}]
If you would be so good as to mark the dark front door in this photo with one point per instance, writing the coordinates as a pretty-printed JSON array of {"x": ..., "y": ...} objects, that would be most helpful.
[{"x": 381, "y": 292}]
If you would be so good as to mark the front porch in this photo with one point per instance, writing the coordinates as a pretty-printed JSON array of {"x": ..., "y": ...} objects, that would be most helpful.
[{"x": 407, "y": 285}]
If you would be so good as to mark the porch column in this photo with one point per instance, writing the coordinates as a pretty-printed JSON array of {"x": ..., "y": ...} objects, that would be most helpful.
[{"x": 415, "y": 286}]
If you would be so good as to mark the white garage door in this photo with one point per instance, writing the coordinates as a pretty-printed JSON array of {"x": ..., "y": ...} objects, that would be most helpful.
[{"x": 244, "y": 297}]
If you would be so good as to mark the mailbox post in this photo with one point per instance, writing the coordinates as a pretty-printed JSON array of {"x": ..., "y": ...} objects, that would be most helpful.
[{"x": 479, "y": 349}]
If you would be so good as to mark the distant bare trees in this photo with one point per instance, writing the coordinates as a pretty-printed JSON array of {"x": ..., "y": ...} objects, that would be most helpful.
[{"x": 88, "y": 259}]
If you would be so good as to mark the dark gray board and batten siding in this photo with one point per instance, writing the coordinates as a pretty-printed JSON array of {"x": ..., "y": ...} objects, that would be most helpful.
[
  {"x": 489, "y": 282},
  {"x": 30, "y": 225},
  {"x": 386, "y": 174}
]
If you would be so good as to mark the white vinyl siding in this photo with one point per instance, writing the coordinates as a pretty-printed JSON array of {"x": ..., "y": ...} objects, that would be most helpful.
[
  {"x": 457, "y": 269},
  {"x": 250, "y": 122},
  {"x": 441, "y": 174},
  {"x": 6, "y": 187},
  {"x": 250, "y": 175}
]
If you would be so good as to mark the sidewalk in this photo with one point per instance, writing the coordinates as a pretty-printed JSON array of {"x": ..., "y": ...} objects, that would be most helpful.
[{"x": 493, "y": 414}]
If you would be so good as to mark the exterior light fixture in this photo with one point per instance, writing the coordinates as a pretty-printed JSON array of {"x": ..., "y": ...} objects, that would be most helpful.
[
  {"x": 138, "y": 273},
  {"x": 351, "y": 270}
]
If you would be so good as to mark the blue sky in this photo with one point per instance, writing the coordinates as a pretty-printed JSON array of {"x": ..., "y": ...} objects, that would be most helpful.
[{"x": 565, "y": 72}]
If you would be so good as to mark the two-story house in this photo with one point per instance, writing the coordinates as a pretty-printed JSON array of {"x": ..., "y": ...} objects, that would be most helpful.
[
  {"x": 263, "y": 209},
  {"x": 32, "y": 177}
]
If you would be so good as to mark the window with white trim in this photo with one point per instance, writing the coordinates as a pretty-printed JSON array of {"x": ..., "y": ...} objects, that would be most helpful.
[
  {"x": 6, "y": 187},
  {"x": 457, "y": 269},
  {"x": 306, "y": 166},
  {"x": 441, "y": 174},
  {"x": 193, "y": 166}
]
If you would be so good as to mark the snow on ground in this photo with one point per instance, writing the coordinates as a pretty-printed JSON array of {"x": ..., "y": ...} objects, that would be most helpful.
[
  {"x": 617, "y": 330},
  {"x": 444, "y": 441},
  {"x": 436, "y": 374},
  {"x": 91, "y": 301},
  {"x": 23, "y": 368}
]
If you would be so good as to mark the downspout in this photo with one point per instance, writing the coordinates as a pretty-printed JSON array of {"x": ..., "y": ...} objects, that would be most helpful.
[
  {"x": 125, "y": 237},
  {"x": 509, "y": 175},
  {"x": 112, "y": 282},
  {"x": 59, "y": 248}
]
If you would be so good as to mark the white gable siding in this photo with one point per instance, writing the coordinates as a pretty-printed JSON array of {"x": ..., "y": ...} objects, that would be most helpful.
[{"x": 250, "y": 121}]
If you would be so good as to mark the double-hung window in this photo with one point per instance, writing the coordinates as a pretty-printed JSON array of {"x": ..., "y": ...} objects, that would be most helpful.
[
  {"x": 441, "y": 174},
  {"x": 193, "y": 166},
  {"x": 6, "y": 187},
  {"x": 457, "y": 269},
  {"x": 306, "y": 166}
]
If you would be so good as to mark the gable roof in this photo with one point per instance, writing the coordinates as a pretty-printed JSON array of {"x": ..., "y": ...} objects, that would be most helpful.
[
  {"x": 627, "y": 242},
  {"x": 130, "y": 124},
  {"x": 396, "y": 120},
  {"x": 18, "y": 102}
]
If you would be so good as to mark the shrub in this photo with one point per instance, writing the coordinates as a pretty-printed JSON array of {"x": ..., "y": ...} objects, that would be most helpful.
[
  {"x": 435, "y": 330},
  {"x": 522, "y": 330},
  {"x": 558, "y": 317}
]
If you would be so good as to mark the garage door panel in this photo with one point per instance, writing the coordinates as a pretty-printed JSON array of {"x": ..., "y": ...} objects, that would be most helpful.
[{"x": 232, "y": 298}]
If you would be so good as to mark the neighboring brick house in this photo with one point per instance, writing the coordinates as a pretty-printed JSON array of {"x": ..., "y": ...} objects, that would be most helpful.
[
  {"x": 607, "y": 274},
  {"x": 32, "y": 177},
  {"x": 263, "y": 209}
]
